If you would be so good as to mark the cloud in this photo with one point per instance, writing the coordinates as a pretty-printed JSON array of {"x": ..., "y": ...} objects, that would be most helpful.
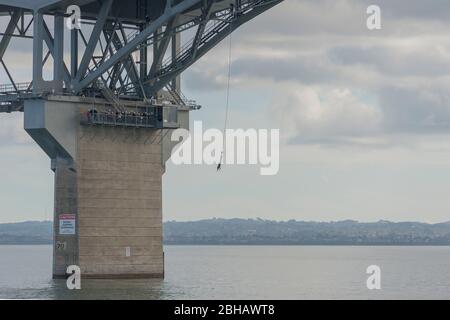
[
  {"x": 397, "y": 60},
  {"x": 415, "y": 109},
  {"x": 336, "y": 82},
  {"x": 11, "y": 130},
  {"x": 312, "y": 115},
  {"x": 198, "y": 79}
]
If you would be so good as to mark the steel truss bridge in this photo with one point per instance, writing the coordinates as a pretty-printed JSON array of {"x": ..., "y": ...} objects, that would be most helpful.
[{"x": 124, "y": 51}]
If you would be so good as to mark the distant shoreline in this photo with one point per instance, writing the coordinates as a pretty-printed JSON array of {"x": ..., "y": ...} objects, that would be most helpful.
[
  {"x": 262, "y": 245},
  {"x": 258, "y": 232}
]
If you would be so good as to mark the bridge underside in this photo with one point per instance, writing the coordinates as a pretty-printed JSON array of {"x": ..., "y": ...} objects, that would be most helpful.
[{"x": 110, "y": 54}]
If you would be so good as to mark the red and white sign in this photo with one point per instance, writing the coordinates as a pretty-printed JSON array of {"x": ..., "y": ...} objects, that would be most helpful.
[{"x": 67, "y": 224}]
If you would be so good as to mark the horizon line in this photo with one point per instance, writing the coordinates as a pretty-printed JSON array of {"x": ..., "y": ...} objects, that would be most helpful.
[{"x": 271, "y": 220}]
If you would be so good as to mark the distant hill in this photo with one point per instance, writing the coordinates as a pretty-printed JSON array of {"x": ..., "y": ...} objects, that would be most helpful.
[
  {"x": 29, "y": 232},
  {"x": 258, "y": 231},
  {"x": 264, "y": 232}
]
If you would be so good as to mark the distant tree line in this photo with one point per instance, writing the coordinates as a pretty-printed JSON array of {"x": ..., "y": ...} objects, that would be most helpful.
[
  {"x": 349, "y": 232},
  {"x": 264, "y": 232}
]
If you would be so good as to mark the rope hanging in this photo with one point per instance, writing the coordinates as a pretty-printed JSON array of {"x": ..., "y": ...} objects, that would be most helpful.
[{"x": 227, "y": 105}]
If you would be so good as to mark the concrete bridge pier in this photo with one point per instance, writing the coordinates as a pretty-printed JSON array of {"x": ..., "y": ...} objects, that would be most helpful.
[
  {"x": 108, "y": 197},
  {"x": 65, "y": 243}
]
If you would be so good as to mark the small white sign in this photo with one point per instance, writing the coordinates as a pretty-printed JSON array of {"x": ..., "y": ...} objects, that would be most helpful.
[
  {"x": 67, "y": 224},
  {"x": 127, "y": 251}
]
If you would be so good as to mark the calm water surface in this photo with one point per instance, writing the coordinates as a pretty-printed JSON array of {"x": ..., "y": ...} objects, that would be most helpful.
[{"x": 241, "y": 272}]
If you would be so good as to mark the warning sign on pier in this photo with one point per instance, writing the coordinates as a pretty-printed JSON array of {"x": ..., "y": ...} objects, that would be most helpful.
[{"x": 66, "y": 224}]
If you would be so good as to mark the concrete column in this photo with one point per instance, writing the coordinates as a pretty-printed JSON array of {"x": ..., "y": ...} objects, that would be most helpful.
[
  {"x": 120, "y": 202},
  {"x": 65, "y": 221},
  {"x": 108, "y": 199}
]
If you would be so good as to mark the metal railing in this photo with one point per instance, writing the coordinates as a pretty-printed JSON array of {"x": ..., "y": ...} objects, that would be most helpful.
[
  {"x": 15, "y": 88},
  {"x": 213, "y": 27},
  {"x": 120, "y": 119},
  {"x": 157, "y": 117}
]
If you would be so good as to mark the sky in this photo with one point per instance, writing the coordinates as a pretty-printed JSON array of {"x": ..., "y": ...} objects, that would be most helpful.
[{"x": 364, "y": 118}]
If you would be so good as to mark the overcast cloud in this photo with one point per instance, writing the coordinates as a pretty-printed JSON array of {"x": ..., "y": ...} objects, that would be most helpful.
[{"x": 354, "y": 81}]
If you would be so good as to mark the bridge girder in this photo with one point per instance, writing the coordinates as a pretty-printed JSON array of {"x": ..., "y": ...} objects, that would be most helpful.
[{"x": 114, "y": 60}]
